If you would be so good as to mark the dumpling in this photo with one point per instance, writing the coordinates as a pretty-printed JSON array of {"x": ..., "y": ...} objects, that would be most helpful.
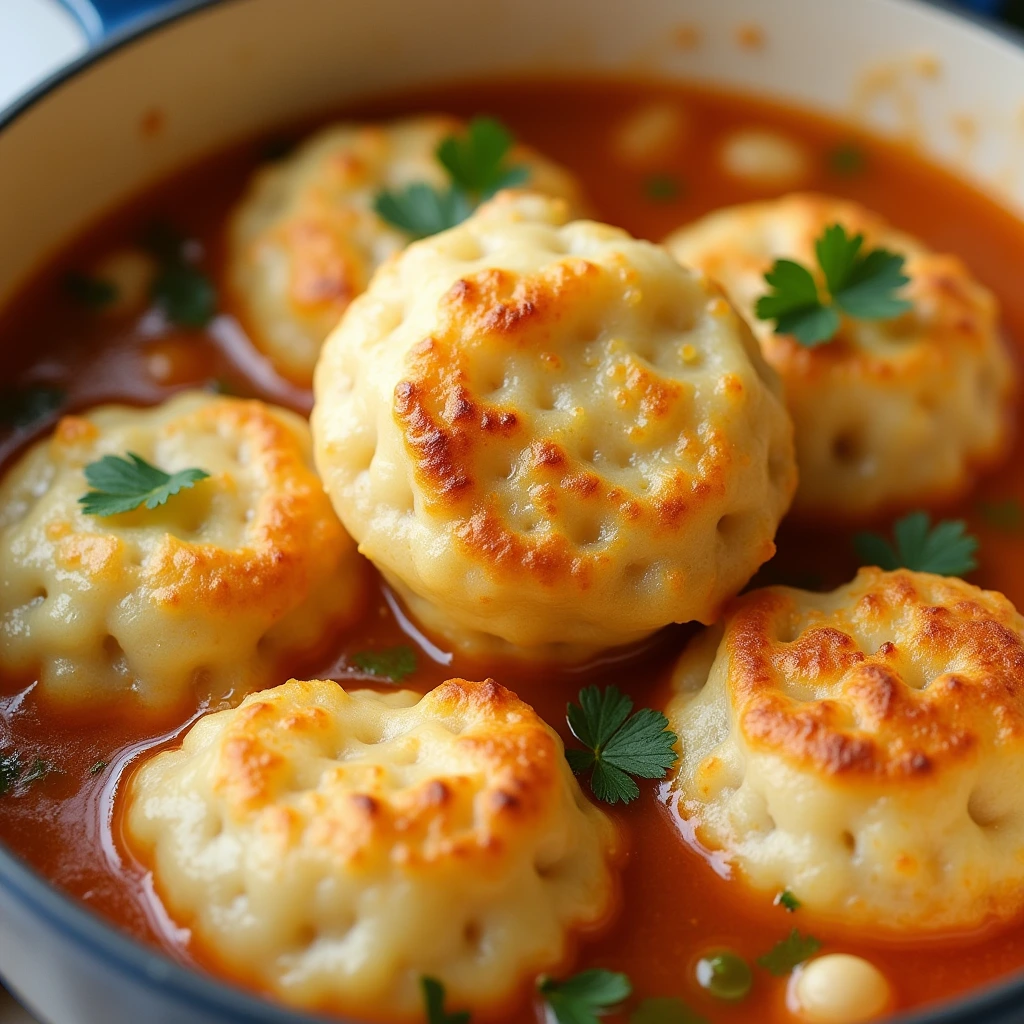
[
  {"x": 549, "y": 435},
  {"x": 305, "y": 240},
  {"x": 197, "y": 598},
  {"x": 863, "y": 749},
  {"x": 339, "y": 846},
  {"x": 890, "y": 413}
]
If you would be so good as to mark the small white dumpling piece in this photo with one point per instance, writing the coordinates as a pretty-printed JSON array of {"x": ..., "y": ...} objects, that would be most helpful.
[
  {"x": 196, "y": 599},
  {"x": 337, "y": 847},
  {"x": 891, "y": 413},
  {"x": 547, "y": 434},
  {"x": 305, "y": 240},
  {"x": 766, "y": 159},
  {"x": 650, "y": 134},
  {"x": 839, "y": 988},
  {"x": 862, "y": 749}
]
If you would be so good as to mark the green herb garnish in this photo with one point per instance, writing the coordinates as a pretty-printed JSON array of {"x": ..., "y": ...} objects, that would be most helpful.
[
  {"x": 13, "y": 771},
  {"x": 10, "y": 770},
  {"x": 618, "y": 745},
  {"x": 476, "y": 162},
  {"x": 421, "y": 210},
  {"x": 123, "y": 484},
  {"x": 847, "y": 160},
  {"x": 433, "y": 1001},
  {"x": 662, "y": 188},
  {"x": 476, "y": 165},
  {"x": 184, "y": 293},
  {"x": 97, "y": 767},
  {"x": 93, "y": 292},
  {"x": 788, "y": 953},
  {"x": 1006, "y": 515},
  {"x": 787, "y": 901},
  {"x": 862, "y": 286},
  {"x": 945, "y": 549},
  {"x": 391, "y": 663},
  {"x": 725, "y": 975},
  {"x": 24, "y": 407},
  {"x": 582, "y": 998},
  {"x": 665, "y": 1011}
]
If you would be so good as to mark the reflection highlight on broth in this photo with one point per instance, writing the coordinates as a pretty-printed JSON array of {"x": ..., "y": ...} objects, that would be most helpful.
[{"x": 526, "y": 755}]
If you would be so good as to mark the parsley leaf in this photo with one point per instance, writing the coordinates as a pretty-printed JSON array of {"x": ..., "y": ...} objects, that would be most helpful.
[
  {"x": 665, "y": 1011},
  {"x": 945, "y": 549},
  {"x": 662, "y": 188},
  {"x": 788, "y": 953},
  {"x": 185, "y": 294},
  {"x": 93, "y": 292},
  {"x": 421, "y": 210},
  {"x": 788, "y": 901},
  {"x": 1007, "y": 515},
  {"x": 476, "y": 162},
  {"x": 97, "y": 767},
  {"x": 433, "y": 1000},
  {"x": 391, "y": 663},
  {"x": 24, "y": 407},
  {"x": 618, "y": 745},
  {"x": 123, "y": 484},
  {"x": 861, "y": 285},
  {"x": 580, "y": 999}
]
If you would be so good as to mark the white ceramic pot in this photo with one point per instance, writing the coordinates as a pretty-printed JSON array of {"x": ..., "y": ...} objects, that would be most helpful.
[{"x": 220, "y": 72}]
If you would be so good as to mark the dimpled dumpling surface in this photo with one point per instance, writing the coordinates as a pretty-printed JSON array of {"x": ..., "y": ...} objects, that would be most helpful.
[
  {"x": 194, "y": 599},
  {"x": 340, "y": 846},
  {"x": 890, "y": 413},
  {"x": 863, "y": 749},
  {"x": 549, "y": 435},
  {"x": 305, "y": 240}
]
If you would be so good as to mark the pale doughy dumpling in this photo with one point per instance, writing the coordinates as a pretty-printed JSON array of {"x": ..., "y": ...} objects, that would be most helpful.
[
  {"x": 551, "y": 435},
  {"x": 197, "y": 598},
  {"x": 863, "y": 749},
  {"x": 891, "y": 413},
  {"x": 339, "y": 846},
  {"x": 305, "y": 240}
]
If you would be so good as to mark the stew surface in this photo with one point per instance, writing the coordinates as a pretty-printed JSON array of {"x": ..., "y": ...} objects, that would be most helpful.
[{"x": 676, "y": 903}]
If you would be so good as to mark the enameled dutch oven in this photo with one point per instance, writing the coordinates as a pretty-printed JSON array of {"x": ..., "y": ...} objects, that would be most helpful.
[{"x": 213, "y": 73}]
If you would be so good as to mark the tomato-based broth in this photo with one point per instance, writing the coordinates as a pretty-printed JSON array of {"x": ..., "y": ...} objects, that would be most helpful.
[{"x": 676, "y": 903}]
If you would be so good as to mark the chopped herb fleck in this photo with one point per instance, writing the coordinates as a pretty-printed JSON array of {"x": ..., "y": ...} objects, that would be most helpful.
[
  {"x": 788, "y": 953},
  {"x": 618, "y": 745},
  {"x": 1006, "y": 515},
  {"x": 946, "y": 548},
  {"x": 391, "y": 663},
  {"x": 10, "y": 770},
  {"x": 665, "y": 1011},
  {"x": 93, "y": 292},
  {"x": 25, "y": 407},
  {"x": 787, "y": 901},
  {"x": 847, "y": 160},
  {"x": 663, "y": 188},
  {"x": 97, "y": 767},
  {"x": 185, "y": 294},
  {"x": 123, "y": 484}
]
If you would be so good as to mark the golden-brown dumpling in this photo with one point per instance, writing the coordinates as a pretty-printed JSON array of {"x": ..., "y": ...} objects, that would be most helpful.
[
  {"x": 338, "y": 847},
  {"x": 863, "y": 749},
  {"x": 197, "y": 598},
  {"x": 549, "y": 434},
  {"x": 891, "y": 413},
  {"x": 305, "y": 240}
]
